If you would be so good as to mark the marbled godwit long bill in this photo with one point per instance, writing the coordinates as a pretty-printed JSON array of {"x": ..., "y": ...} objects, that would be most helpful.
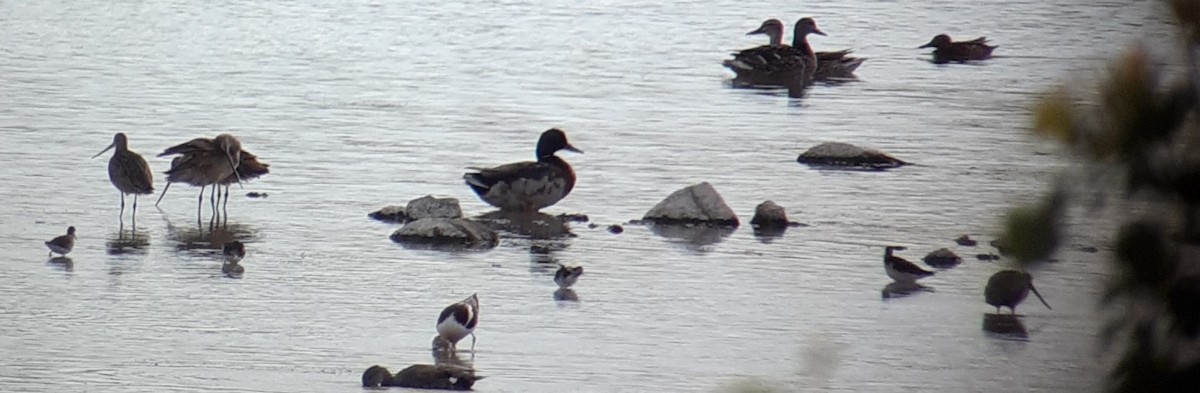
[{"x": 128, "y": 172}]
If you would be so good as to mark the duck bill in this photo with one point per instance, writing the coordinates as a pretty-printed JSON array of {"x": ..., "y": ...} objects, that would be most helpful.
[
  {"x": 929, "y": 45},
  {"x": 110, "y": 146},
  {"x": 760, "y": 30},
  {"x": 570, "y": 148},
  {"x": 1039, "y": 296},
  {"x": 818, "y": 31}
]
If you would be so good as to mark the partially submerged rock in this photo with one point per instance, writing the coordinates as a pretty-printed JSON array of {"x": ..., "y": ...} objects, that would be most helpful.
[
  {"x": 845, "y": 155},
  {"x": 768, "y": 215},
  {"x": 416, "y": 209},
  {"x": 533, "y": 225},
  {"x": 942, "y": 258},
  {"x": 695, "y": 204},
  {"x": 430, "y": 207},
  {"x": 965, "y": 240},
  {"x": 422, "y": 376},
  {"x": 446, "y": 233}
]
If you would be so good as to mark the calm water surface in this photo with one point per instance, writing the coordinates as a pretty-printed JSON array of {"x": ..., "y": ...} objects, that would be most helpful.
[{"x": 361, "y": 104}]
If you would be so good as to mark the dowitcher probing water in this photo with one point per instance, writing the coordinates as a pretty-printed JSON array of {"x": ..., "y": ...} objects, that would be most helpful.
[
  {"x": 128, "y": 171},
  {"x": 1008, "y": 288},
  {"x": 565, "y": 277},
  {"x": 62, "y": 244},
  {"x": 901, "y": 270},
  {"x": 531, "y": 185},
  {"x": 458, "y": 320}
]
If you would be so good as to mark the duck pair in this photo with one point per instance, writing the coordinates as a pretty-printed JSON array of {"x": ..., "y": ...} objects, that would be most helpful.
[{"x": 776, "y": 64}]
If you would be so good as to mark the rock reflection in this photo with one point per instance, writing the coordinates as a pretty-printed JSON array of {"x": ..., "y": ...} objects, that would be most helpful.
[
  {"x": 529, "y": 225},
  {"x": 769, "y": 234},
  {"x": 127, "y": 242},
  {"x": 896, "y": 290},
  {"x": 1006, "y": 325},
  {"x": 566, "y": 295},
  {"x": 695, "y": 237},
  {"x": 61, "y": 262}
]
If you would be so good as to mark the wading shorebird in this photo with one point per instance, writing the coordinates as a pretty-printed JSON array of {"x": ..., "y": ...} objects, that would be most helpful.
[
  {"x": 946, "y": 50},
  {"x": 128, "y": 171},
  {"x": 457, "y": 321},
  {"x": 531, "y": 185},
  {"x": 233, "y": 253},
  {"x": 248, "y": 168},
  {"x": 205, "y": 162},
  {"x": 901, "y": 270},
  {"x": 62, "y": 244},
  {"x": 1008, "y": 288},
  {"x": 565, "y": 277}
]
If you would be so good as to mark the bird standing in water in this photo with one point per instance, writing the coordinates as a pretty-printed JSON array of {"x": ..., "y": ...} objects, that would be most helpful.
[
  {"x": 62, "y": 244},
  {"x": 1008, "y": 288},
  {"x": 458, "y": 320},
  {"x": 901, "y": 270},
  {"x": 565, "y": 277},
  {"x": 128, "y": 171}
]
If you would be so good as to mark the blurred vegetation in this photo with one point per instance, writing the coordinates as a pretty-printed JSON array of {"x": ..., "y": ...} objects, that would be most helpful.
[{"x": 1138, "y": 133}]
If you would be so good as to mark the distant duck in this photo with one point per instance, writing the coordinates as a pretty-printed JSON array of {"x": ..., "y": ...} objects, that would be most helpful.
[
  {"x": 1008, "y": 288},
  {"x": 777, "y": 64},
  {"x": 946, "y": 50},
  {"x": 901, "y": 270},
  {"x": 233, "y": 252},
  {"x": 457, "y": 321},
  {"x": 830, "y": 65},
  {"x": 530, "y": 185},
  {"x": 62, "y": 245},
  {"x": 422, "y": 376},
  {"x": 565, "y": 277}
]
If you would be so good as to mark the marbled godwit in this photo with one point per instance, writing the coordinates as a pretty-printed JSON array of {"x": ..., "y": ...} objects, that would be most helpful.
[
  {"x": 62, "y": 244},
  {"x": 249, "y": 168},
  {"x": 900, "y": 269},
  {"x": 203, "y": 162},
  {"x": 128, "y": 171},
  {"x": 458, "y": 320},
  {"x": 531, "y": 185},
  {"x": 1008, "y": 288}
]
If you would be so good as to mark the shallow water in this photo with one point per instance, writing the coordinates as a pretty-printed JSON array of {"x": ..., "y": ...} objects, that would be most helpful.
[{"x": 357, "y": 105}]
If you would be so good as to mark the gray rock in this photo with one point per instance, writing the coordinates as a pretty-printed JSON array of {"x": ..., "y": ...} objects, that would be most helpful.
[
  {"x": 430, "y": 207},
  {"x": 942, "y": 258},
  {"x": 445, "y": 233},
  {"x": 695, "y": 204},
  {"x": 390, "y": 214},
  {"x": 845, "y": 155},
  {"x": 769, "y": 215}
]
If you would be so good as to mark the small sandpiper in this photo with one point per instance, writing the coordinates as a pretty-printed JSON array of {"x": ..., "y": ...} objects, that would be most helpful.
[
  {"x": 565, "y": 277},
  {"x": 1008, "y": 288},
  {"x": 62, "y": 244},
  {"x": 458, "y": 320},
  {"x": 234, "y": 252},
  {"x": 899, "y": 269}
]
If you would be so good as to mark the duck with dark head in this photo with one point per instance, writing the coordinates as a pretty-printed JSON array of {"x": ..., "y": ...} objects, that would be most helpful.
[
  {"x": 528, "y": 186},
  {"x": 947, "y": 50}
]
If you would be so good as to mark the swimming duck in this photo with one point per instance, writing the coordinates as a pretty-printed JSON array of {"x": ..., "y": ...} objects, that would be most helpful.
[
  {"x": 830, "y": 65},
  {"x": 422, "y": 376},
  {"x": 62, "y": 244},
  {"x": 530, "y": 185},
  {"x": 1008, "y": 288},
  {"x": 946, "y": 50},
  {"x": 565, "y": 277},
  {"x": 777, "y": 64},
  {"x": 234, "y": 252},
  {"x": 457, "y": 321},
  {"x": 900, "y": 269}
]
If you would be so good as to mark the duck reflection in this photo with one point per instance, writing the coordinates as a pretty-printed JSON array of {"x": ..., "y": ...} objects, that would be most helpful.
[
  {"x": 64, "y": 263},
  {"x": 530, "y": 225},
  {"x": 694, "y": 237},
  {"x": 126, "y": 242},
  {"x": 1007, "y": 325},
  {"x": 896, "y": 289}
]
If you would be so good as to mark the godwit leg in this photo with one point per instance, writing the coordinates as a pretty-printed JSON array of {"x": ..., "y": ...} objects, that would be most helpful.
[
  {"x": 472, "y": 342},
  {"x": 225, "y": 207},
  {"x": 121, "y": 216},
  {"x": 164, "y": 193},
  {"x": 134, "y": 211},
  {"x": 199, "y": 203}
]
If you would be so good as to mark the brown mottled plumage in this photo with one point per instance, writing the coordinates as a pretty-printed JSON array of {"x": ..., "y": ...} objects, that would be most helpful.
[
  {"x": 128, "y": 171},
  {"x": 778, "y": 65},
  {"x": 531, "y": 185},
  {"x": 830, "y": 65},
  {"x": 1008, "y": 288},
  {"x": 62, "y": 244},
  {"x": 422, "y": 376}
]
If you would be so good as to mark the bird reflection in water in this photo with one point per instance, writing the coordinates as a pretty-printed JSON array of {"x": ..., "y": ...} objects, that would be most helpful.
[
  {"x": 126, "y": 242},
  {"x": 198, "y": 238},
  {"x": 896, "y": 289},
  {"x": 566, "y": 295},
  {"x": 64, "y": 263},
  {"x": 538, "y": 226},
  {"x": 1005, "y": 325}
]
